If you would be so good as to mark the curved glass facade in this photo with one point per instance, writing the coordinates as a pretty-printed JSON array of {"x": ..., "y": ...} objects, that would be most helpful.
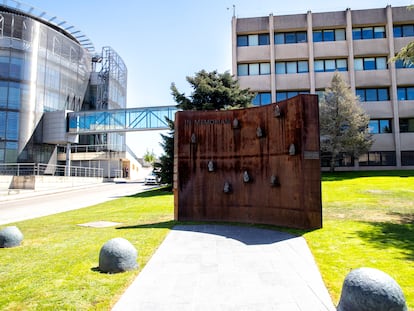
[{"x": 42, "y": 69}]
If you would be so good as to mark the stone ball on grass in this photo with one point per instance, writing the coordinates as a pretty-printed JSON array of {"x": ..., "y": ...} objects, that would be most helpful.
[
  {"x": 117, "y": 255},
  {"x": 368, "y": 289},
  {"x": 10, "y": 237}
]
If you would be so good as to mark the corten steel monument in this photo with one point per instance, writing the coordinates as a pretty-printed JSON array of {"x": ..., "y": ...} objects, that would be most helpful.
[{"x": 254, "y": 165}]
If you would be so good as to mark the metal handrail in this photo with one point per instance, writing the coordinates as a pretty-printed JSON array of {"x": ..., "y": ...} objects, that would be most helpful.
[{"x": 41, "y": 169}]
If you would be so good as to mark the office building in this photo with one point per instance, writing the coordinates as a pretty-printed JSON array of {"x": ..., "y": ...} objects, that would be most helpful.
[
  {"x": 46, "y": 66},
  {"x": 280, "y": 56}
]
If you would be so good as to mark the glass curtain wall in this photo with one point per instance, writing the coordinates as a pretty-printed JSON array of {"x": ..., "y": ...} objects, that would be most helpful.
[
  {"x": 109, "y": 92},
  {"x": 41, "y": 70}
]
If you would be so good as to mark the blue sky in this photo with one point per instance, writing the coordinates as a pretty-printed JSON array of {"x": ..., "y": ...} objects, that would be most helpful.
[{"x": 164, "y": 41}]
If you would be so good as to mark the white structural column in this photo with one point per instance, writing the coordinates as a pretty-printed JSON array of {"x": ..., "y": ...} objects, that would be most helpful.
[
  {"x": 234, "y": 45},
  {"x": 311, "y": 54},
  {"x": 68, "y": 161},
  {"x": 393, "y": 89},
  {"x": 272, "y": 59},
  {"x": 351, "y": 67}
]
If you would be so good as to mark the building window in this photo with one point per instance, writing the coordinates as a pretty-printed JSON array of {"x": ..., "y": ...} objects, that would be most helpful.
[
  {"x": 328, "y": 35},
  {"x": 403, "y": 31},
  {"x": 253, "y": 69},
  {"x": 374, "y": 94},
  {"x": 399, "y": 64},
  {"x": 365, "y": 33},
  {"x": 12, "y": 127},
  {"x": 405, "y": 93},
  {"x": 17, "y": 66},
  {"x": 329, "y": 65},
  {"x": 264, "y": 98},
  {"x": 2, "y": 125},
  {"x": 407, "y": 125},
  {"x": 371, "y": 63},
  {"x": 291, "y": 37},
  {"x": 380, "y": 126},
  {"x": 282, "y": 95},
  {"x": 14, "y": 97},
  {"x": 253, "y": 40},
  {"x": 341, "y": 160},
  {"x": 292, "y": 67},
  {"x": 407, "y": 158},
  {"x": 378, "y": 158}
]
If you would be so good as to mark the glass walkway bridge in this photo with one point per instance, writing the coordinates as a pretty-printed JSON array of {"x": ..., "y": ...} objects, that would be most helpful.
[{"x": 120, "y": 120}]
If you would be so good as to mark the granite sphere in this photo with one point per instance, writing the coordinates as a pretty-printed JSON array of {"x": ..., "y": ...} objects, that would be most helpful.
[
  {"x": 10, "y": 237},
  {"x": 368, "y": 289},
  {"x": 117, "y": 255}
]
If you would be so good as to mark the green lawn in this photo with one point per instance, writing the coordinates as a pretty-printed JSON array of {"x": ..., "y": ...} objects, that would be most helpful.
[
  {"x": 368, "y": 221},
  {"x": 55, "y": 268}
]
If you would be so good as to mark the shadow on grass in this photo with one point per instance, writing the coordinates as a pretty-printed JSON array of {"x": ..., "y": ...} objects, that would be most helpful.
[
  {"x": 337, "y": 176},
  {"x": 163, "y": 225},
  {"x": 152, "y": 193},
  {"x": 384, "y": 235}
]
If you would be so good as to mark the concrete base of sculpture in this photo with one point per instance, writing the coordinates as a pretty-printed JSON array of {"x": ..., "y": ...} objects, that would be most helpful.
[
  {"x": 367, "y": 289},
  {"x": 117, "y": 255},
  {"x": 10, "y": 237}
]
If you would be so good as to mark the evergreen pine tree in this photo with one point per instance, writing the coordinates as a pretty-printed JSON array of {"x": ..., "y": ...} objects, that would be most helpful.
[
  {"x": 211, "y": 91},
  {"x": 165, "y": 167},
  {"x": 343, "y": 122}
]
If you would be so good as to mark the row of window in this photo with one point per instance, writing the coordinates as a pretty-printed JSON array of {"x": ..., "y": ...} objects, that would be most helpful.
[
  {"x": 9, "y": 125},
  {"x": 12, "y": 94},
  {"x": 358, "y": 33},
  {"x": 399, "y": 64},
  {"x": 370, "y": 63},
  {"x": 373, "y": 158},
  {"x": 403, "y": 31},
  {"x": 330, "y": 65},
  {"x": 253, "y": 40},
  {"x": 329, "y": 35},
  {"x": 373, "y": 94},
  {"x": 383, "y": 126},
  {"x": 376, "y": 126},
  {"x": 292, "y": 67},
  {"x": 265, "y": 98},
  {"x": 405, "y": 93},
  {"x": 253, "y": 69},
  {"x": 365, "y": 94},
  {"x": 407, "y": 125},
  {"x": 321, "y": 65},
  {"x": 365, "y": 33},
  {"x": 282, "y": 95},
  {"x": 380, "y": 126},
  {"x": 378, "y": 158}
]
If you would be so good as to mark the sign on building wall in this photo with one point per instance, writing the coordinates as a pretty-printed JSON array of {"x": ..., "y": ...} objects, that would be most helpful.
[{"x": 255, "y": 165}]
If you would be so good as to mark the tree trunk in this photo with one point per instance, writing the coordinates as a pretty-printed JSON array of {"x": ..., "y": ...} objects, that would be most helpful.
[{"x": 332, "y": 164}]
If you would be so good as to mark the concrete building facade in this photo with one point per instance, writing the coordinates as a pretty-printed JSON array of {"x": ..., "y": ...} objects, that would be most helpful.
[{"x": 280, "y": 56}]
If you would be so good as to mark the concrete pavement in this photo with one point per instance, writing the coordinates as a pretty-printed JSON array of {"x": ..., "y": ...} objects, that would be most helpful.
[
  {"x": 28, "y": 204},
  {"x": 221, "y": 267}
]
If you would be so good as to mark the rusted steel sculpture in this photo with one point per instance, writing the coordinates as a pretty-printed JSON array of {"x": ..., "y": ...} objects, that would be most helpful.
[{"x": 254, "y": 165}]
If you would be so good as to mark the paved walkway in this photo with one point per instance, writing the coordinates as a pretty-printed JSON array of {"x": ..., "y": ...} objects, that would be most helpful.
[{"x": 220, "y": 267}]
